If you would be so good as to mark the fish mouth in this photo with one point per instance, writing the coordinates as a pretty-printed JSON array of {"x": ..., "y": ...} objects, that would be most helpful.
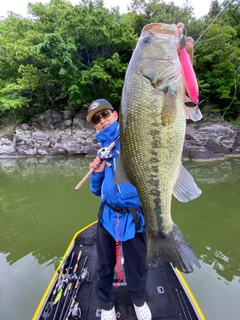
[
  {"x": 160, "y": 83},
  {"x": 161, "y": 28}
]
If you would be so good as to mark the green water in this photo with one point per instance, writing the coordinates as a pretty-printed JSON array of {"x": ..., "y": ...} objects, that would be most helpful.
[{"x": 40, "y": 211}]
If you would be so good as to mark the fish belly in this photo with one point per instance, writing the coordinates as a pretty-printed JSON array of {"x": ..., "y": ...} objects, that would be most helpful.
[{"x": 151, "y": 146}]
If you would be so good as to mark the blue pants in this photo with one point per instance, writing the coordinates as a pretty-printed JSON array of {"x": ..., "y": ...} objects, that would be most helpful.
[{"x": 134, "y": 251}]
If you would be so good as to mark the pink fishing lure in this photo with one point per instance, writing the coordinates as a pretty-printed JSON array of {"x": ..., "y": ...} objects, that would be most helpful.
[{"x": 189, "y": 76}]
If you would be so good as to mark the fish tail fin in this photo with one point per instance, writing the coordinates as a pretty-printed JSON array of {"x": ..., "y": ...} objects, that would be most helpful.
[{"x": 173, "y": 248}]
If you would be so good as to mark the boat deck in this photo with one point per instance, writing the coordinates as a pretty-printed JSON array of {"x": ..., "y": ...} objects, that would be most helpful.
[{"x": 165, "y": 295}]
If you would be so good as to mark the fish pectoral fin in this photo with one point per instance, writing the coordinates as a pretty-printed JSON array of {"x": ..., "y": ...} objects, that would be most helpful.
[
  {"x": 169, "y": 110},
  {"x": 192, "y": 113},
  {"x": 120, "y": 174},
  {"x": 185, "y": 188}
]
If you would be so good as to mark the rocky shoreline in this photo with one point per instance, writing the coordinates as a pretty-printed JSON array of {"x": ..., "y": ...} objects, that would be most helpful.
[{"x": 60, "y": 134}]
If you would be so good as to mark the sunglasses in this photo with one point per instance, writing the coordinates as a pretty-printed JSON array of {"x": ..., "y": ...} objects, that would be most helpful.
[{"x": 104, "y": 114}]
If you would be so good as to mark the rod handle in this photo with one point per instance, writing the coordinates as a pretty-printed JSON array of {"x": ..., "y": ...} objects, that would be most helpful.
[
  {"x": 78, "y": 258},
  {"x": 84, "y": 179}
]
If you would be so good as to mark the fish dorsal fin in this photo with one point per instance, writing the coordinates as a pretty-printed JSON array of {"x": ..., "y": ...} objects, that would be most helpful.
[
  {"x": 120, "y": 174},
  {"x": 185, "y": 188}
]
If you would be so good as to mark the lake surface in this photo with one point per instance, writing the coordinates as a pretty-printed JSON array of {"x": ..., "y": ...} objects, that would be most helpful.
[{"x": 40, "y": 211}]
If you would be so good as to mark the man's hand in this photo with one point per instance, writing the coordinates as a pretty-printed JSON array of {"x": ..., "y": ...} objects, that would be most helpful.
[
  {"x": 97, "y": 165},
  {"x": 189, "y": 47},
  {"x": 189, "y": 42}
]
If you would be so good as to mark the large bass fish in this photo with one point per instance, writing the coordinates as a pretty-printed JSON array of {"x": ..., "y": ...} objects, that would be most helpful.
[{"x": 152, "y": 132}]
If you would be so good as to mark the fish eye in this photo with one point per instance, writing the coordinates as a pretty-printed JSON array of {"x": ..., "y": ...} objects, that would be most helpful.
[{"x": 146, "y": 38}]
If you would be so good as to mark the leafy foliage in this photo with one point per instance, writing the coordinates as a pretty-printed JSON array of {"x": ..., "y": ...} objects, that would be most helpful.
[{"x": 64, "y": 56}]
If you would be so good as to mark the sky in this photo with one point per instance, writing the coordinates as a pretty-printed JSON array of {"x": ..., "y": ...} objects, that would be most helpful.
[{"x": 20, "y": 6}]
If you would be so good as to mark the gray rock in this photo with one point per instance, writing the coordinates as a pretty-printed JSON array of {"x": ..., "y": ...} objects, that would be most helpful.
[
  {"x": 236, "y": 144},
  {"x": 7, "y": 143},
  {"x": 57, "y": 134},
  {"x": 79, "y": 121},
  {"x": 210, "y": 140},
  {"x": 51, "y": 119}
]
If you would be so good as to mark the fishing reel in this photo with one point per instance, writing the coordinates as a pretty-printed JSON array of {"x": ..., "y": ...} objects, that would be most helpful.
[
  {"x": 84, "y": 275},
  {"x": 104, "y": 154},
  {"x": 76, "y": 312}
]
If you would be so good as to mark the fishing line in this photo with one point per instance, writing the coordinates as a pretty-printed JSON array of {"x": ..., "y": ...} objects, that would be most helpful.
[
  {"x": 234, "y": 96},
  {"x": 235, "y": 92},
  {"x": 210, "y": 25},
  {"x": 214, "y": 135}
]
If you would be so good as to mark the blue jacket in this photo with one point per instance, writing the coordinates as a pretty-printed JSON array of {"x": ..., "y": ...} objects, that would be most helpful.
[{"x": 122, "y": 195}]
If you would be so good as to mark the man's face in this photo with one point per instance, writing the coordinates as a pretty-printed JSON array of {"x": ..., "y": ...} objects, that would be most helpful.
[{"x": 105, "y": 118}]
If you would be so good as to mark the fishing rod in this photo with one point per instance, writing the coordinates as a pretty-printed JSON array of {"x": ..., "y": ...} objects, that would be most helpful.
[
  {"x": 103, "y": 153},
  {"x": 218, "y": 15},
  {"x": 73, "y": 305},
  {"x": 209, "y": 25},
  {"x": 65, "y": 280},
  {"x": 74, "y": 274},
  {"x": 57, "y": 290},
  {"x": 68, "y": 288}
]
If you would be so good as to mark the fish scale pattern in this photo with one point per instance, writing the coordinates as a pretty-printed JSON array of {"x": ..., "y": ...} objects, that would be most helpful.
[
  {"x": 153, "y": 151},
  {"x": 153, "y": 124}
]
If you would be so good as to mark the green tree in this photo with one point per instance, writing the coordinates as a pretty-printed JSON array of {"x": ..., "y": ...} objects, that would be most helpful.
[
  {"x": 215, "y": 9},
  {"x": 64, "y": 56}
]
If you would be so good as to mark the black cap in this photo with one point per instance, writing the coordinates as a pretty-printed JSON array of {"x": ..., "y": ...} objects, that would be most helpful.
[{"x": 98, "y": 105}]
